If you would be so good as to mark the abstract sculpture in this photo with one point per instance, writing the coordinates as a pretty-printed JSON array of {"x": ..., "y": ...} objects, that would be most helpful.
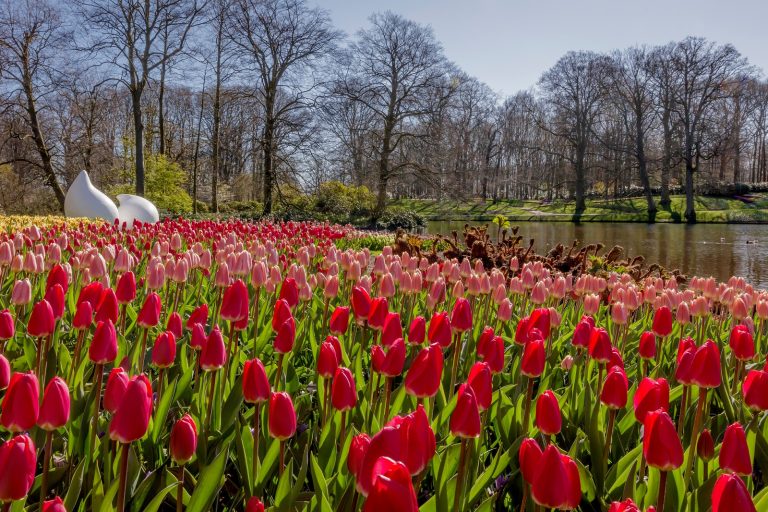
[{"x": 85, "y": 200}]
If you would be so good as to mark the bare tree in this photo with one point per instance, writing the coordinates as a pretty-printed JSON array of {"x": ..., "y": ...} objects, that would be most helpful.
[
  {"x": 283, "y": 40},
  {"x": 30, "y": 34},
  {"x": 395, "y": 67},
  {"x": 138, "y": 37}
]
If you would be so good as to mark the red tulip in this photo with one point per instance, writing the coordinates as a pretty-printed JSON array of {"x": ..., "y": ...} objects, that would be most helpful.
[
  {"x": 361, "y": 303},
  {"x": 254, "y": 505},
  {"x": 582, "y": 334},
  {"x": 662, "y": 322},
  {"x": 755, "y": 390},
  {"x": 7, "y": 325},
  {"x": 465, "y": 419},
  {"x": 557, "y": 483},
  {"x": 339, "y": 320},
  {"x": 540, "y": 319},
  {"x": 534, "y": 358},
  {"x": 117, "y": 383},
  {"x": 343, "y": 390},
  {"x": 149, "y": 315},
  {"x": 286, "y": 337},
  {"x": 18, "y": 460},
  {"x": 198, "y": 316},
  {"x": 417, "y": 435},
  {"x": 57, "y": 275},
  {"x": 661, "y": 445},
  {"x": 41, "y": 322},
  {"x": 423, "y": 378},
  {"x": 131, "y": 419},
  {"x": 280, "y": 314},
  {"x": 624, "y": 506},
  {"x": 529, "y": 456},
  {"x": 480, "y": 380},
  {"x": 83, "y": 316},
  {"x": 55, "y": 297},
  {"x": 731, "y": 494},
  {"x": 706, "y": 366},
  {"x": 684, "y": 370},
  {"x": 389, "y": 364},
  {"x": 600, "y": 345},
  {"x": 392, "y": 329},
  {"x": 20, "y": 404},
  {"x": 615, "y": 359},
  {"x": 492, "y": 352},
  {"x": 647, "y": 348},
  {"x": 126, "y": 288},
  {"x": 440, "y": 329},
  {"x": 392, "y": 488},
  {"x": 234, "y": 304},
  {"x": 183, "y": 440},
  {"x": 198, "y": 338},
  {"x": 378, "y": 313},
  {"x": 650, "y": 395},
  {"x": 164, "y": 351},
  {"x": 5, "y": 372},
  {"x": 175, "y": 325},
  {"x": 548, "y": 418},
  {"x": 282, "y": 416},
  {"x": 741, "y": 343},
  {"x": 54, "y": 412},
  {"x": 461, "y": 316},
  {"x": 256, "y": 387},
  {"x": 734, "y": 453},
  {"x": 91, "y": 294},
  {"x": 327, "y": 360},
  {"x": 54, "y": 505},
  {"x": 103, "y": 348},
  {"x": 214, "y": 353},
  {"x": 521, "y": 331},
  {"x": 614, "y": 392},
  {"x": 705, "y": 446},
  {"x": 357, "y": 449},
  {"x": 289, "y": 292},
  {"x": 417, "y": 331}
]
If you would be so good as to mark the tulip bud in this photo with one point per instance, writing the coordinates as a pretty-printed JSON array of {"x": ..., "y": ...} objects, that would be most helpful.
[
  {"x": 705, "y": 446},
  {"x": 198, "y": 316},
  {"x": 461, "y": 316},
  {"x": 254, "y": 505},
  {"x": 5, "y": 372},
  {"x": 164, "y": 351},
  {"x": 183, "y": 440},
  {"x": 282, "y": 416},
  {"x": 7, "y": 325},
  {"x": 54, "y": 412},
  {"x": 357, "y": 449},
  {"x": 480, "y": 380},
  {"x": 650, "y": 395},
  {"x": 20, "y": 404},
  {"x": 339, "y": 321},
  {"x": 131, "y": 419},
  {"x": 465, "y": 419},
  {"x": 423, "y": 377},
  {"x": 557, "y": 483},
  {"x": 103, "y": 347},
  {"x": 548, "y": 418},
  {"x": 54, "y": 505},
  {"x": 534, "y": 358},
  {"x": 41, "y": 322},
  {"x": 149, "y": 315},
  {"x": 256, "y": 387},
  {"x": 117, "y": 383},
  {"x": 661, "y": 445},
  {"x": 734, "y": 453},
  {"x": 126, "y": 288},
  {"x": 214, "y": 353},
  {"x": 392, "y": 488},
  {"x": 18, "y": 460},
  {"x": 731, "y": 494},
  {"x": 529, "y": 456}
]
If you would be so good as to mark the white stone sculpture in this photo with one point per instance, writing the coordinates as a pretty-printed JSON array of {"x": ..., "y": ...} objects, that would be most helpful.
[
  {"x": 85, "y": 200},
  {"x": 136, "y": 207}
]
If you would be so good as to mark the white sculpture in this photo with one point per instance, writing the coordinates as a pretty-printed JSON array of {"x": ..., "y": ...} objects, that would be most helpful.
[
  {"x": 136, "y": 207},
  {"x": 85, "y": 200}
]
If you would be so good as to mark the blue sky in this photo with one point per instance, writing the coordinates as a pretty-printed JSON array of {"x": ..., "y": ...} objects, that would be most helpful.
[{"x": 508, "y": 44}]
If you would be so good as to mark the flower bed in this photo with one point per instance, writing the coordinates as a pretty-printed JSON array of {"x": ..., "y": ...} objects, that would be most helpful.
[{"x": 205, "y": 365}]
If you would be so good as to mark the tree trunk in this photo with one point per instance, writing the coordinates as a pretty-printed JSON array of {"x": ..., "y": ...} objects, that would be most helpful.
[
  {"x": 666, "y": 162},
  {"x": 581, "y": 150},
  {"x": 642, "y": 165},
  {"x": 161, "y": 109},
  {"x": 690, "y": 207},
  {"x": 269, "y": 172},
  {"x": 215, "y": 157},
  {"x": 138, "y": 130}
]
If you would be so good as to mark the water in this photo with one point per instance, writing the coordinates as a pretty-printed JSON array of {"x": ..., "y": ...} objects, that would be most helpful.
[{"x": 718, "y": 250}]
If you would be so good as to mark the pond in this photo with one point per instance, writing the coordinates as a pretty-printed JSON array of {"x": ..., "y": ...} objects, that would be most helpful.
[{"x": 719, "y": 250}]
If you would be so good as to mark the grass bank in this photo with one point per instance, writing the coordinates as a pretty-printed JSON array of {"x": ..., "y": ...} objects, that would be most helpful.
[{"x": 708, "y": 210}]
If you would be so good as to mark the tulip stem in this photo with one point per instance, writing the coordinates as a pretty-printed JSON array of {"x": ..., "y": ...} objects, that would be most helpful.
[
  {"x": 210, "y": 400},
  {"x": 278, "y": 373},
  {"x": 456, "y": 352},
  {"x": 143, "y": 350},
  {"x": 387, "y": 395},
  {"x": 180, "y": 491},
  {"x": 662, "y": 491},
  {"x": 76, "y": 361},
  {"x": 342, "y": 432},
  {"x": 694, "y": 435},
  {"x": 681, "y": 414},
  {"x": 457, "y": 497},
  {"x": 160, "y": 384},
  {"x": 46, "y": 466},
  {"x": 256, "y": 434},
  {"x": 123, "y": 477},
  {"x": 98, "y": 378},
  {"x": 608, "y": 437},
  {"x": 527, "y": 410},
  {"x": 282, "y": 457},
  {"x": 526, "y": 490}
]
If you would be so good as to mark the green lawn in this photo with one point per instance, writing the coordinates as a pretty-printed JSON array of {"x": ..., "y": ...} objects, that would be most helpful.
[{"x": 708, "y": 209}]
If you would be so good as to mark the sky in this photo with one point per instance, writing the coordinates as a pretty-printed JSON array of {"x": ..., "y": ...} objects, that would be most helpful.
[{"x": 509, "y": 44}]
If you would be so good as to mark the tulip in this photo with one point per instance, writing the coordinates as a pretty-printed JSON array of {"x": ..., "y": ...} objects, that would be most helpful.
[
  {"x": 339, "y": 321},
  {"x": 117, "y": 382},
  {"x": 7, "y": 325},
  {"x": 461, "y": 316},
  {"x": 55, "y": 297},
  {"x": 289, "y": 292},
  {"x": 361, "y": 303},
  {"x": 755, "y": 390},
  {"x": 234, "y": 304},
  {"x": 254, "y": 505},
  {"x": 103, "y": 348},
  {"x": 624, "y": 506},
  {"x": 256, "y": 390},
  {"x": 282, "y": 421},
  {"x": 548, "y": 418},
  {"x": 440, "y": 329},
  {"x": 5, "y": 372},
  {"x": 529, "y": 456},
  {"x": 343, "y": 390},
  {"x": 20, "y": 404},
  {"x": 557, "y": 483},
  {"x": 416, "y": 434},
  {"x": 213, "y": 357},
  {"x": 21, "y": 295},
  {"x": 18, "y": 460},
  {"x": 378, "y": 313},
  {"x": 705, "y": 446},
  {"x": 175, "y": 325},
  {"x": 54, "y": 414},
  {"x": 357, "y": 449},
  {"x": 149, "y": 315},
  {"x": 417, "y": 331},
  {"x": 280, "y": 314},
  {"x": 480, "y": 380},
  {"x": 391, "y": 489},
  {"x": 465, "y": 419},
  {"x": 647, "y": 347},
  {"x": 731, "y": 494},
  {"x": 650, "y": 395},
  {"x": 126, "y": 288},
  {"x": 198, "y": 338},
  {"x": 600, "y": 345},
  {"x": 183, "y": 440},
  {"x": 423, "y": 377},
  {"x": 54, "y": 505},
  {"x": 198, "y": 316},
  {"x": 534, "y": 358},
  {"x": 661, "y": 448},
  {"x": 582, "y": 334},
  {"x": 734, "y": 453},
  {"x": 492, "y": 352},
  {"x": 164, "y": 351},
  {"x": 705, "y": 373},
  {"x": 662, "y": 322}
]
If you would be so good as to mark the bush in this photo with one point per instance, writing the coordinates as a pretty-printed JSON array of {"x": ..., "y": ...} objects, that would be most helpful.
[
  {"x": 163, "y": 184},
  {"x": 394, "y": 218},
  {"x": 243, "y": 209},
  {"x": 341, "y": 203}
]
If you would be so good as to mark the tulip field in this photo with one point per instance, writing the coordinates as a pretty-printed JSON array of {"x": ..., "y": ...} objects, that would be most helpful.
[{"x": 229, "y": 366}]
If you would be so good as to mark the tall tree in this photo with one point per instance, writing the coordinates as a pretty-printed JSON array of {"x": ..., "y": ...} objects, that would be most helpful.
[
  {"x": 395, "y": 68},
  {"x": 283, "y": 41},
  {"x": 30, "y": 35},
  {"x": 139, "y": 37}
]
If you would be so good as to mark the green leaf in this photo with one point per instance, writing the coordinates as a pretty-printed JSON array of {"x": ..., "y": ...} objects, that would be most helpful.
[
  {"x": 154, "y": 505},
  {"x": 209, "y": 483},
  {"x": 162, "y": 412},
  {"x": 75, "y": 485}
]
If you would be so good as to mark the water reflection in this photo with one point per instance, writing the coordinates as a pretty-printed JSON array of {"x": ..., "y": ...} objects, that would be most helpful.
[{"x": 719, "y": 250}]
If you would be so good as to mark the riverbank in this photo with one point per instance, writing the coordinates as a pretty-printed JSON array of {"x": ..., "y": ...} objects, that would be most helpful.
[{"x": 715, "y": 210}]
